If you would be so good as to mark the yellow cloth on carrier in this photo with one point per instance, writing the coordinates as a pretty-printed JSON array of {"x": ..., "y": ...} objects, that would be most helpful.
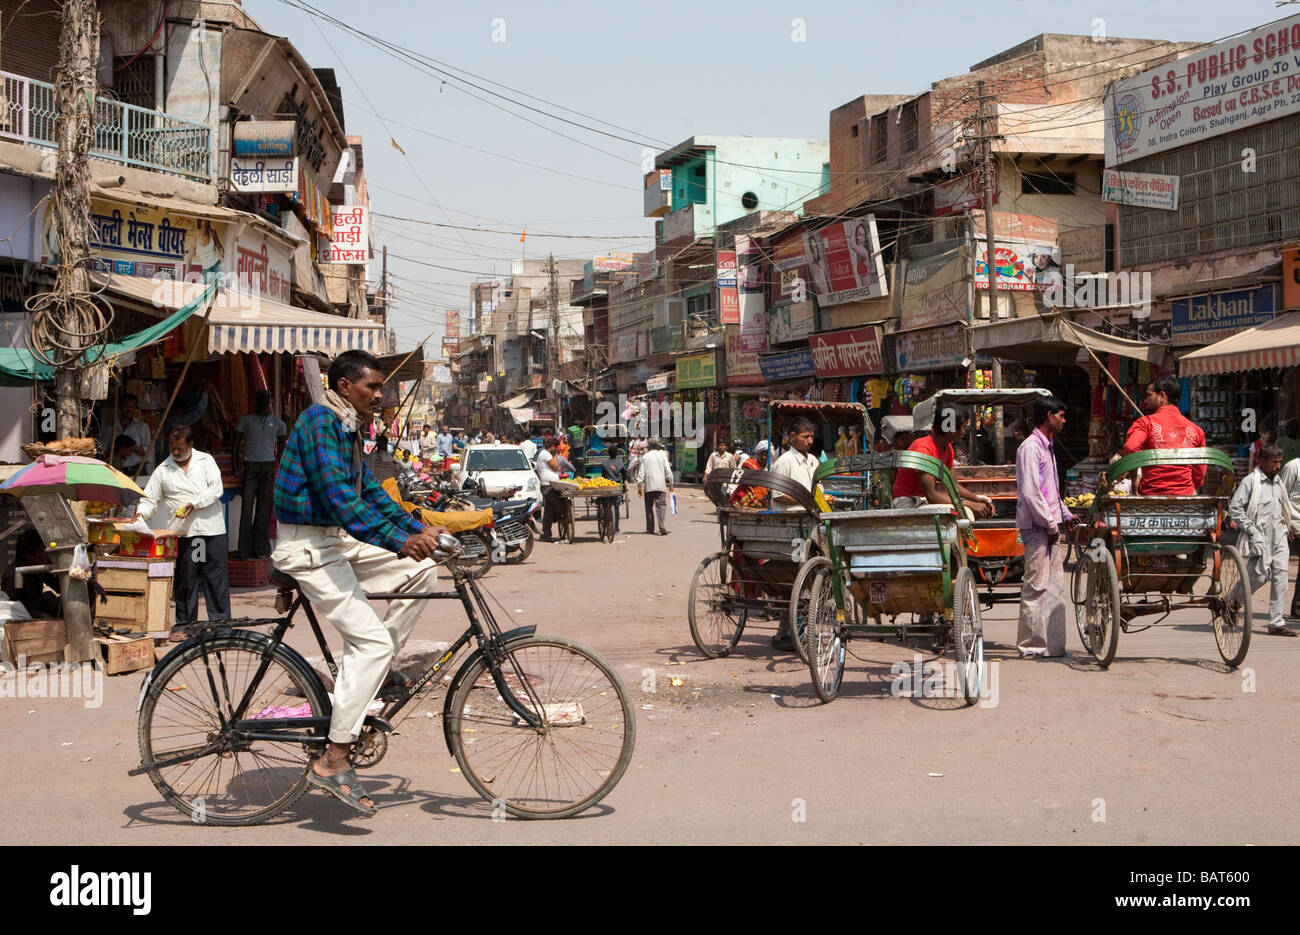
[{"x": 454, "y": 520}]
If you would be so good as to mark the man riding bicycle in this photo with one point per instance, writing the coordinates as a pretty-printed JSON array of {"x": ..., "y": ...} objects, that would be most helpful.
[{"x": 341, "y": 535}]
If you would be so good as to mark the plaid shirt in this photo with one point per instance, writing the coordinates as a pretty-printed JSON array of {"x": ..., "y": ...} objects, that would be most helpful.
[{"x": 316, "y": 485}]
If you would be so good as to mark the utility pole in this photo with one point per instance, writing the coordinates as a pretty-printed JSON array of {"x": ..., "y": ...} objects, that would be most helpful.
[
  {"x": 988, "y": 168},
  {"x": 553, "y": 339},
  {"x": 75, "y": 85}
]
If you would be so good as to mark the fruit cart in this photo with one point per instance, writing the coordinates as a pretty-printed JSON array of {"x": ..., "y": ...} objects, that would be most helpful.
[
  {"x": 598, "y": 490},
  {"x": 883, "y": 565},
  {"x": 1150, "y": 555}
]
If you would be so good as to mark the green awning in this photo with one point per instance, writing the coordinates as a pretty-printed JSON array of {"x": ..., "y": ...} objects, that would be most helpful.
[{"x": 18, "y": 367}]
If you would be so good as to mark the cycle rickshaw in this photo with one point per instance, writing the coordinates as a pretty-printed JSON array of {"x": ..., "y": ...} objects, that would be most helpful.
[
  {"x": 1151, "y": 555},
  {"x": 882, "y": 565}
]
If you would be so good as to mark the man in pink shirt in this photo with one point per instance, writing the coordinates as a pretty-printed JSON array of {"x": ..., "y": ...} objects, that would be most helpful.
[{"x": 1039, "y": 518}]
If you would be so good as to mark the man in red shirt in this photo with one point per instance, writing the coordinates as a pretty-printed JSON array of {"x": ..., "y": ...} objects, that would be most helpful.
[
  {"x": 1165, "y": 427},
  {"x": 914, "y": 488}
]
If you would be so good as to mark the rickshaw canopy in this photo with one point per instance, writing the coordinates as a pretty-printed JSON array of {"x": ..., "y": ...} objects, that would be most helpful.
[{"x": 923, "y": 412}]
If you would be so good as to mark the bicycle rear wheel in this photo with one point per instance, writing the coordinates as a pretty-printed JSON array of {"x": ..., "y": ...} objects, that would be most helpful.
[
  {"x": 182, "y": 711},
  {"x": 568, "y": 764}
]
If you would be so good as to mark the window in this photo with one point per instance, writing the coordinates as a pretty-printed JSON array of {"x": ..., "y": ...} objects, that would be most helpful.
[
  {"x": 879, "y": 138},
  {"x": 749, "y": 201},
  {"x": 1047, "y": 183},
  {"x": 495, "y": 459},
  {"x": 133, "y": 81},
  {"x": 853, "y": 131},
  {"x": 699, "y": 306},
  {"x": 911, "y": 130}
]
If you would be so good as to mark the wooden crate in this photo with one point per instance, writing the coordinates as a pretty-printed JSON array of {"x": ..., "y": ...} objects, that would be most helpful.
[
  {"x": 126, "y": 653},
  {"x": 36, "y": 640},
  {"x": 139, "y": 593}
]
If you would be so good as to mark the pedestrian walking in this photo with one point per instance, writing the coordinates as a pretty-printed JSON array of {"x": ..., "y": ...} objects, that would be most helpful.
[
  {"x": 1290, "y": 480},
  {"x": 187, "y": 487},
  {"x": 1040, "y": 514},
  {"x": 256, "y": 451},
  {"x": 655, "y": 486},
  {"x": 1259, "y": 508},
  {"x": 719, "y": 459}
]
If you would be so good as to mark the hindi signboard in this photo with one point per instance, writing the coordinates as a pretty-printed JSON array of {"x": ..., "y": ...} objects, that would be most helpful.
[
  {"x": 1140, "y": 188},
  {"x": 789, "y": 366},
  {"x": 350, "y": 243},
  {"x": 264, "y": 175},
  {"x": 697, "y": 370},
  {"x": 847, "y": 353},
  {"x": 932, "y": 349}
]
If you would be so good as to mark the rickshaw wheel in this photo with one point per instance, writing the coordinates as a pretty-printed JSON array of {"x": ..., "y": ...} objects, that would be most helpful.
[
  {"x": 1230, "y": 607},
  {"x": 967, "y": 636},
  {"x": 1101, "y": 609},
  {"x": 716, "y": 624},
  {"x": 825, "y": 638},
  {"x": 800, "y": 599}
]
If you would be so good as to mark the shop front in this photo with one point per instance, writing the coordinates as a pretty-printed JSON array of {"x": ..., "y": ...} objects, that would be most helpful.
[
  {"x": 699, "y": 400},
  {"x": 746, "y": 407}
]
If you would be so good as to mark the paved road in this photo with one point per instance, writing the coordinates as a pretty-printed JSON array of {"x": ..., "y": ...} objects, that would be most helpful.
[{"x": 1168, "y": 746}]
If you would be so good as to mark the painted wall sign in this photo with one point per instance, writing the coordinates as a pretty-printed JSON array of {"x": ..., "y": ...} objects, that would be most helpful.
[
  {"x": 350, "y": 242},
  {"x": 1140, "y": 188},
  {"x": 249, "y": 174},
  {"x": 847, "y": 353}
]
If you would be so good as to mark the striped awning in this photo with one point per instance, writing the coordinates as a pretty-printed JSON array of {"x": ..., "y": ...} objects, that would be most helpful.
[
  {"x": 1274, "y": 344},
  {"x": 240, "y": 323}
]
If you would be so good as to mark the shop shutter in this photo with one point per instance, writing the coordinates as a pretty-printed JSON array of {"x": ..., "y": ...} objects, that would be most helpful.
[{"x": 30, "y": 37}]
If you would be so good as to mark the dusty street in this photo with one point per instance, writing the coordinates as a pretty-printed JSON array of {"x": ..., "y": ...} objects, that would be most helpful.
[{"x": 1166, "y": 747}]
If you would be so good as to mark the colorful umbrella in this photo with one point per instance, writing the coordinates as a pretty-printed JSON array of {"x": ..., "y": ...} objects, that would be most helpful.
[{"x": 74, "y": 477}]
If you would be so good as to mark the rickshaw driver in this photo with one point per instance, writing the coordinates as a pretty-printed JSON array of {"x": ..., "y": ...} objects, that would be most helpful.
[
  {"x": 796, "y": 464},
  {"x": 914, "y": 488},
  {"x": 1164, "y": 426}
]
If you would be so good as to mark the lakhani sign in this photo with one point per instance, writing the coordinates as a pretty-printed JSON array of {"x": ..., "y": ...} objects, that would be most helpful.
[
  {"x": 1244, "y": 81},
  {"x": 1203, "y": 319},
  {"x": 847, "y": 353},
  {"x": 350, "y": 242},
  {"x": 789, "y": 366},
  {"x": 935, "y": 349},
  {"x": 1140, "y": 188}
]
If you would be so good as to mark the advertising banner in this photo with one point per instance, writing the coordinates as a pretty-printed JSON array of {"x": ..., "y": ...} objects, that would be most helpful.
[
  {"x": 696, "y": 370},
  {"x": 1140, "y": 188},
  {"x": 961, "y": 193},
  {"x": 1244, "y": 81},
  {"x": 844, "y": 262},
  {"x": 742, "y": 365},
  {"x": 452, "y": 322},
  {"x": 789, "y": 366},
  {"x": 139, "y": 240},
  {"x": 612, "y": 263},
  {"x": 934, "y": 291},
  {"x": 792, "y": 322},
  {"x": 659, "y": 382},
  {"x": 1027, "y": 252},
  {"x": 261, "y": 265},
  {"x": 1204, "y": 319},
  {"x": 727, "y": 268},
  {"x": 932, "y": 349},
  {"x": 350, "y": 242},
  {"x": 847, "y": 353}
]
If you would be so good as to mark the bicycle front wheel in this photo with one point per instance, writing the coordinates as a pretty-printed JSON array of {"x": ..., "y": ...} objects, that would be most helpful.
[
  {"x": 573, "y": 759},
  {"x": 228, "y": 782}
]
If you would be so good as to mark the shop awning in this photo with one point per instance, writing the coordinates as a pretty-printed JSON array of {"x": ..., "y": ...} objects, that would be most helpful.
[
  {"x": 242, "y": 323},
  {"x": 18, "y": 367},
  {"x": 404, "y": 367},
  {"x": 517, "y": 402},
  {"x": 1273, "y": 344},
  {"x": 1051, "y": 339}
]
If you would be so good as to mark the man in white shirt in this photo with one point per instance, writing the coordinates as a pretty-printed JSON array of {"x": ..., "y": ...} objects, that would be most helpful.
[
  {"x": 796, "y": 464},
  {"x": 187, "y": 487},
  {"x": 130, "y": 423},
  {"x": 719, "y": 459},
  {"x": 656, "y": 484},
  {"x": 547, "y": 464},
  {"x": 442, "y": 443},
  {"x": 528, "y": 446}
]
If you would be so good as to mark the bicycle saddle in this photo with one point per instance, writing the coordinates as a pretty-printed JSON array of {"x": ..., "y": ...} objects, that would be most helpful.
[{"x": 281, "y": 580}]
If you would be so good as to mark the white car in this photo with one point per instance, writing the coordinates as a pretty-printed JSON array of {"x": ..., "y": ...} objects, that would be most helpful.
[{"x": 497, "y": 467}]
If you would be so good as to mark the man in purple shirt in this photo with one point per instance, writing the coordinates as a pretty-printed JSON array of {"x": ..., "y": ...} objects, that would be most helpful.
[{"x": 1039, "y": 518}]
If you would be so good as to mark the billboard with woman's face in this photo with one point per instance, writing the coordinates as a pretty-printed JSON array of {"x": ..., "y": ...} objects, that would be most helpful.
[{"x": 844, "y": 262}]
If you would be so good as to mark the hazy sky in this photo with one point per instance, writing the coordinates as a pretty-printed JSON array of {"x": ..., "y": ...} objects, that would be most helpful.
[{"x": 728, "y": 69}]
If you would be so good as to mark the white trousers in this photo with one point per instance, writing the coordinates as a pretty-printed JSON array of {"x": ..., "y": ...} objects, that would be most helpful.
[
  {"x": 1272, "y": 565},
  {"x": 334, "y": 571}
]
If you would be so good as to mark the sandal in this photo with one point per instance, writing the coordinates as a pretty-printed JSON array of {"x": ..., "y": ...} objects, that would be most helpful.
[
  {"x": 334, "y": 786},
  {"x": 179, "y": 634},
  {"x": 1282, "y": 631}
]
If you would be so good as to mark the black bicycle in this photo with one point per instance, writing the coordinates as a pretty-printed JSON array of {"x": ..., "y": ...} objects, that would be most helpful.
[{"x": 231, "y": 719}]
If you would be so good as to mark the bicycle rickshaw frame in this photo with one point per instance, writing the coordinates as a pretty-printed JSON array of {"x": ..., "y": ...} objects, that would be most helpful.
[{"x": 1158, "y": 547}]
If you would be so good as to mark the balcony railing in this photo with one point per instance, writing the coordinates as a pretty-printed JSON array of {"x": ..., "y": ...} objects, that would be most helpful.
[
  {"x": 123, "y": 133},
  {"x": 665, "y": 339}
]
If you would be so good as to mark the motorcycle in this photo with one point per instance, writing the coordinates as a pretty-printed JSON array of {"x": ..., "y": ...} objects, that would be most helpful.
[{"x": 509, "y": 536}]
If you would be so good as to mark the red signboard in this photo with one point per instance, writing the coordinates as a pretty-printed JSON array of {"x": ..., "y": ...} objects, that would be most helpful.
[
  {"x": 729, "y": 305},
  {"x": 847, "y": 353}
]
